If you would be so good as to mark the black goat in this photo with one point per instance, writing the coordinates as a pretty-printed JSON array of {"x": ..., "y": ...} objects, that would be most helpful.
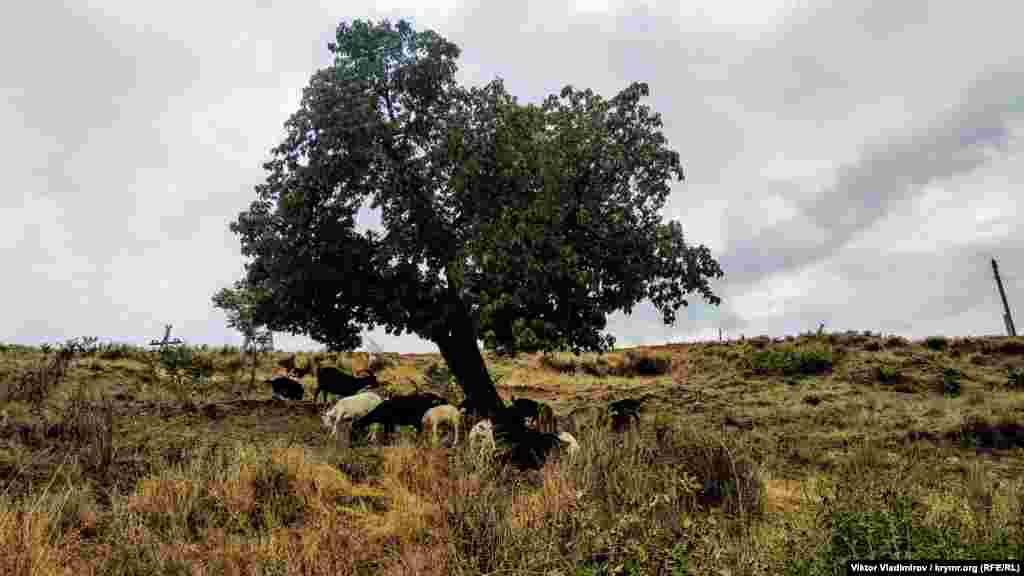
[
  {"x": 528, "y": 449},
  {"x": 542, "y": 414},
  {"x": 330, "y": 379},
  {"x": 525, "y": 408},
  {"x": 399, "y": 411},
  {"x": 624, "y": 413},
  {"x": 286, "y": 388}
]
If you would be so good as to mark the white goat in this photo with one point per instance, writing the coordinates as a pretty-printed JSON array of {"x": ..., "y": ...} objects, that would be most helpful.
[
  {"x": 438, "y": 415},
  {"x": 481, "y": 438},
  {"x": 572, "y": 447},
  {"x": 348, "y": 409}
]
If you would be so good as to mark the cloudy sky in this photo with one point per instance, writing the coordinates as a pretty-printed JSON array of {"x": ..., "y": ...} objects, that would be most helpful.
[{"x": 854, "y": 163}]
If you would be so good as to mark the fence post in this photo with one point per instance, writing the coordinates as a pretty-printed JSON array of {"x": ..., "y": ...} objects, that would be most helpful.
[{"x": 1007, "y": 319}]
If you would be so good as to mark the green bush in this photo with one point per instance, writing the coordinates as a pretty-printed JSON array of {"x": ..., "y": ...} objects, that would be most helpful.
[
  {"x": 438, "y": 376},
  {"x": 115, "y": 351},
  {"x": 951, "y": 382},
  {"x": 891, "y": 527},
  {"x": 789, "y": 362},
  {"x": 936, "y": 342},
  {"x": 887, "y": 374},
  {"x": 1016, "y": 377}
]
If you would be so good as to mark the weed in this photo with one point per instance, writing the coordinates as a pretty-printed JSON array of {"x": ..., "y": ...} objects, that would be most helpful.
[
  {"x": 951, "y": 382},
  {"x": 887, "y": 374},
  {"x": 1015, "y": 377}
]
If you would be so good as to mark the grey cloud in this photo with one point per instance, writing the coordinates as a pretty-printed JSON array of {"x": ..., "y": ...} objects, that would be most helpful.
[
  {"x": 885, "y": 174},
  {"x": 136, "y": 133}
]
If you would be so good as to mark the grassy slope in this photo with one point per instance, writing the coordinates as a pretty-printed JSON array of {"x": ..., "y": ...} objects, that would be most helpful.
[{"x": 117, "y": 467}]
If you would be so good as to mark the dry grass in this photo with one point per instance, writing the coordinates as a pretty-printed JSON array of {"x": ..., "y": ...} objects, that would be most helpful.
[{"x": 764, "y": 457}]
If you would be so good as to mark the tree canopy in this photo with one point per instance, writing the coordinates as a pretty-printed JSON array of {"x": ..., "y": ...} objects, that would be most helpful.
[{"x": 522, "y": 226}]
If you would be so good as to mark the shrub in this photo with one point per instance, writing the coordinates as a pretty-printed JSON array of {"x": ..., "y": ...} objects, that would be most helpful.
[
  {"x": 951, "y": 382},
  {"x": 896, "y": 342},
  {"x": 789, "y": 362},
  {"x": 647, "y": 364},
  {"x": 185, "y": 368},
  {"x": 559, "y": 362},
  {"x": 1011, "y": 346},
  {"x": 115, "y": 351},
  {"x": 595, "y": 366},
  {"x": 887, "y": 374},
  {"x": 35, "y": 383},
  {"x": 438, "y": 376},
  {"x": 1016, "y": 377},
  {"x": 936, "y": 342}
]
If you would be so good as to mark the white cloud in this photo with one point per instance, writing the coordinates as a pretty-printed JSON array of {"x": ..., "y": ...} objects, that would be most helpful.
[{"x": 857, "y": 163}]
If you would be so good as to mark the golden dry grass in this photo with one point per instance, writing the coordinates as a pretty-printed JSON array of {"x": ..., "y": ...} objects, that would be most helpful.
[{"x": 750, "y": 455}]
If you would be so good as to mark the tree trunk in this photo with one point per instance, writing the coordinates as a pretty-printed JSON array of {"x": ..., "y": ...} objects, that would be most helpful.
[{"x": 461, "y": 353}]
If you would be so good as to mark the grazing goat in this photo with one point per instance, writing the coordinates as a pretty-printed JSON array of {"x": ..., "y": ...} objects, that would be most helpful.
[
  {"x": 399, "y": 411},
  {"x": 444, "y": 414},
  {"x": 537, "y": 413},
  {"x": 624, "y": 413},
  {"x": 525, "y": 408},
  {"x": 572, "y": 447},
  {"x": 286, "y": 388},
  {"x": 348, "y": 409},
  {"x": 330, "y": 379},
  {"x": 481, "y": 438},
  {"x": 530, "y": 449}
]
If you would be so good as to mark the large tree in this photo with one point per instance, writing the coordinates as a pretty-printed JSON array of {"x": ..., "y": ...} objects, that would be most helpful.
[{"x": 522, "y": 226}]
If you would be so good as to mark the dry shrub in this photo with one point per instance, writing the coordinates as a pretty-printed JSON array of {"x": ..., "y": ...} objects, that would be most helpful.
[
  {"x": 647, "y": 363},
  {"x": 561, "y": 362}
]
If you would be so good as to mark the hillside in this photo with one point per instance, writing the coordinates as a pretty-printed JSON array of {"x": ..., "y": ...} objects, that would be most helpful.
[{"x": 763, "y": 456}]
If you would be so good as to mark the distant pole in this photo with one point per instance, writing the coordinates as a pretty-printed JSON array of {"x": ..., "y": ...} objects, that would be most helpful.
[{"x": 1007, "y": 319}]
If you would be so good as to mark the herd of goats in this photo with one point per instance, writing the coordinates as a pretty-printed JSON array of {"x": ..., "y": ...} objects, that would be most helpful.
[{"x": 528, "y": 428}]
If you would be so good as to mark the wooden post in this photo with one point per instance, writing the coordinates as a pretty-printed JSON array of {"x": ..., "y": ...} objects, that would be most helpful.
[{"x": 1007, "y": 319}]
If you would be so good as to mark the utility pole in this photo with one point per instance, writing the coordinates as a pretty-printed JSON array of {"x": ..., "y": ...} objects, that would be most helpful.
[{"x": 1007, "y": 319}]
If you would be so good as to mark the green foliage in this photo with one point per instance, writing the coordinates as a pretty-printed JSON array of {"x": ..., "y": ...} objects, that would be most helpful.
[
  {"x": 241, "y": 304},
  {"x": 522, "y": 226},
  {"x": 1015, "y": 377},
  {"x": 185, "y": 368},
  {"x": 951, "y": 382},
  {"x": 790, "y": 361},
  {"x": 116, "y": 351},
  {"x": 893, "y": 530},
  {"x": 438, "y": 376},
  {"x": 548, "y": 221},
  {"x": 936, "y": 342},
  {"x": 887, "y": 374}
]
